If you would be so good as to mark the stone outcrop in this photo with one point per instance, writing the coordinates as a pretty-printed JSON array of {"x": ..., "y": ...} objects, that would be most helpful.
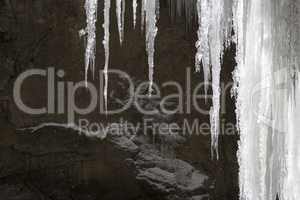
[{"x": 51, "y": 149}]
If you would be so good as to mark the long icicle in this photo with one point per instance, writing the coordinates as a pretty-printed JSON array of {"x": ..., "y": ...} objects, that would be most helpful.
[
  {"x": 151, "y": 31},
  {"x": 134, "y": 7},
  {"x": 143, "y": 11},
  {"x": 214, "y": 18},
  {"x": 202, "y": 45},
  {"x": 90, "y": 32},
  {"x": 123, "y": 18},
  {"x": 120, "y": 13},
  {"x": 106, "y": 25}
]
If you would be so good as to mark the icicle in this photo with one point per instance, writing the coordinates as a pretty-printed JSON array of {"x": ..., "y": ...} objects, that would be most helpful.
[
  {"x": 123, "y": 17},
  {"x": 90, "y": 32},
  {"x": 216, "y": 42},
  {"x": 143, "y": 7},
  {"x": 202, "y": 44},
  {"x": 120, "y": 12},
  {"x": 214, "y": 18},
  {"x": 106, "y": 25},
  {"x": 134, "y": 7},
  {"x": 151, "y": 31}
]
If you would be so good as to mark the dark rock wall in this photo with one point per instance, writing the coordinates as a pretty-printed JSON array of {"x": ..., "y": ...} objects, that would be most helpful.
[{"x": 40, "y": 34}]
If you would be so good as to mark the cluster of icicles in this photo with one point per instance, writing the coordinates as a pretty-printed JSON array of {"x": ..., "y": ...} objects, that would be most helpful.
[
  {"x": 149, "y": 15},
  {"x": 267, "y": 35}
]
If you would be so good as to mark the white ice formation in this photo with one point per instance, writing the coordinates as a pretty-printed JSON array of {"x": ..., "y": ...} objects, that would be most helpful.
[
  {"x": 90, "y": 32},
  {"x": 267, "y": 91}
]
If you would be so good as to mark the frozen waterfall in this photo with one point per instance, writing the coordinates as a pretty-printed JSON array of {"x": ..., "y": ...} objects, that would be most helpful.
[{"x": 267, "y": 90}]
